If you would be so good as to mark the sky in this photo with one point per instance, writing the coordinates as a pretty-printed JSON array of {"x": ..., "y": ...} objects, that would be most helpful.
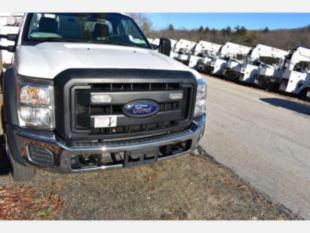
[{"x": 222, "y": 20}]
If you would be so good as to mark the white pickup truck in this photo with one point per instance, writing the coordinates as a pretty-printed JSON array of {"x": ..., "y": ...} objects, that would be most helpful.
[{"x": 86, "y": 92}]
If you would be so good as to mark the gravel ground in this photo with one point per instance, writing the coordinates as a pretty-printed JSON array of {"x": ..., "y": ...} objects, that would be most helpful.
[{"x": 188, "y": 187}]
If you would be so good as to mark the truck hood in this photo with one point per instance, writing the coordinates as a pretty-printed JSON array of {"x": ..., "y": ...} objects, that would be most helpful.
[{"x": 48, "y": 59}]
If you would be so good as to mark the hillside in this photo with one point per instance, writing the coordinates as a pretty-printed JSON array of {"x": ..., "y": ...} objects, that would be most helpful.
[{"x": 284, "y": 38}]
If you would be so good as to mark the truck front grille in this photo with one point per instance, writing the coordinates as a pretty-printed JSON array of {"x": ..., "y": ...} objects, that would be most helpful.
[
  {"x": 75, "y": 113},
  {"x": 172, "y": 114}
]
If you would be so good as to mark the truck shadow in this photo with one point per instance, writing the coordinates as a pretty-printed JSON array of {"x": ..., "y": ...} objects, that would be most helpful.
[
  {"x": 290, "y": 105},
  {"x": 5, "y": 165}
]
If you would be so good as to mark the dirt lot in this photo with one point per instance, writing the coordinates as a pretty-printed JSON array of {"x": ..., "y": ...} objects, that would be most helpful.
[{"x": 188, "y": 187}]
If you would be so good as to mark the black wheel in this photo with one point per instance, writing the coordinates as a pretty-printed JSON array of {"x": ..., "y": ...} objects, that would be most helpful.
[
  {"x": 258, "y": 81},
  {"x": 283, "y": 85},
  {"x": 305, "y": 94},
  {"x": 240, "y": 78},
  {"x": 5, "y": 165},
  {"x": 20, "y": 173}
]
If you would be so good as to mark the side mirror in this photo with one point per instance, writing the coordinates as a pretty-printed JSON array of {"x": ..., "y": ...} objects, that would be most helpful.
[{"x": 164, "y": 46}]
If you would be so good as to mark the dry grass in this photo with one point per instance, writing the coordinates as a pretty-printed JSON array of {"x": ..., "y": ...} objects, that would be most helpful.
[{"x": 23, "y": 202}]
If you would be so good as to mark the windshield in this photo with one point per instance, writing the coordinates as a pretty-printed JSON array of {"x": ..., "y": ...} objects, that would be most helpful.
[
  {"x": 303, "y": 66},
  {"x": 103, "y": 28},
  {"x": 272, "y": 61}
]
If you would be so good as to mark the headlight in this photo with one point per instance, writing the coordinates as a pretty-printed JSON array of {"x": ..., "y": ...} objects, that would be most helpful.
[
  {"x": 200, "y": 106},
  {"x": 34, "y": 116},
  {"x": 35, "y": 95},
  {"x": 36, "y": 105}
]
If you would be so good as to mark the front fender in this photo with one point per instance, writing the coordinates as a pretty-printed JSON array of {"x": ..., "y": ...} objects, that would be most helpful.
[{"x": 9, "y": 88}]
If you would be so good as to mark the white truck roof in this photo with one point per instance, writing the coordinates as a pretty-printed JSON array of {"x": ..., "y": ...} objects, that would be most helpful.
[
  {"x": 156, "y": 41},
  {"x": 185, "y": 45},
  {"x": 301, "y": 54},
  {"x": 173, "y": 42},
  {"x": 232, "y": 49},
  {"x": 203, "y": 46},
  {"x": 261, "y": 50}
]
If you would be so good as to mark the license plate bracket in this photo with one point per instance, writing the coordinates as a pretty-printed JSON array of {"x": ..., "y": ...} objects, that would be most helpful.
[
  {"x": 104, "y": 121},
  {"x": 139, "y": 157}
]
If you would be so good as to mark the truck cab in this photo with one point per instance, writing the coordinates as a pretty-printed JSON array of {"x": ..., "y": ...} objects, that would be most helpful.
[
  {"x": 291, "y": 76},
  {"x": 86, "y": 92},
  {"x": 182, "y": 49},
  {"x": 261, "y": 56},
  {"x": 202, "y": 51},
  {"x": 228, "y": 52},
  {"x": 295, "y": 77}
]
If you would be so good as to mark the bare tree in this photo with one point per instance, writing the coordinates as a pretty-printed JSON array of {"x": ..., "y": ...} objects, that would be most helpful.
[{"x": 144, "y": 23}]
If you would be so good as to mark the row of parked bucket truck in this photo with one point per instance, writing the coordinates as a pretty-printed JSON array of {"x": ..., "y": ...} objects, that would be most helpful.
[{"x": 264, "y": 66}]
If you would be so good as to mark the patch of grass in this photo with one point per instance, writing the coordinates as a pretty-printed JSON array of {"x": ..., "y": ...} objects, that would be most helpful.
[{"x": 23, "y": 202}]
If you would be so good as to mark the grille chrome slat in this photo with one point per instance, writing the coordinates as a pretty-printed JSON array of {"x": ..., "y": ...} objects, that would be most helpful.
[{"x": 119, "y": 97}]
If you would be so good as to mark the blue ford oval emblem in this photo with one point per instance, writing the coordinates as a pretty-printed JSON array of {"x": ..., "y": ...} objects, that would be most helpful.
[{"x": 140, "y": 108}]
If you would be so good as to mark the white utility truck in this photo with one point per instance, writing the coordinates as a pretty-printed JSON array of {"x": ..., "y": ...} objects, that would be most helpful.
[
  {"x": 211, "y": 52},
  {"x": 150, "y": 40},
  {"x": 296, "y": 73},
  {"x": 228, "y": 51},
  {"x": 86, "y": 92},
  {"x": 293, "y": 75},
  {"x": 182, "y": 49},
  {"x": 260, "y": 56},
  {"x": 155, "y": 43},
  {"x": 172, "y": 42},
  {"x": 202, "y": 51}
]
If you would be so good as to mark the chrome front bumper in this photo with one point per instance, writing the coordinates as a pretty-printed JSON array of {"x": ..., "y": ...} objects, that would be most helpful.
[{"x": 64, "y": 152}]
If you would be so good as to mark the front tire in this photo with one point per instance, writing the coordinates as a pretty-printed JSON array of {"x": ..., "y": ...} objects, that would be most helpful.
[
  {"x": 283, "y": 85},
  {"x": 305, "y": 94}
]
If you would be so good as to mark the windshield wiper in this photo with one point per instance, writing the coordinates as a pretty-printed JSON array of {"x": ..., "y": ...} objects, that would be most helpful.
[{"x": 53, "y": 39}]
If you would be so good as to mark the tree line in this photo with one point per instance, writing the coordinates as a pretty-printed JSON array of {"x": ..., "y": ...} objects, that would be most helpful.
[{"x": 282, "y": 38}]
